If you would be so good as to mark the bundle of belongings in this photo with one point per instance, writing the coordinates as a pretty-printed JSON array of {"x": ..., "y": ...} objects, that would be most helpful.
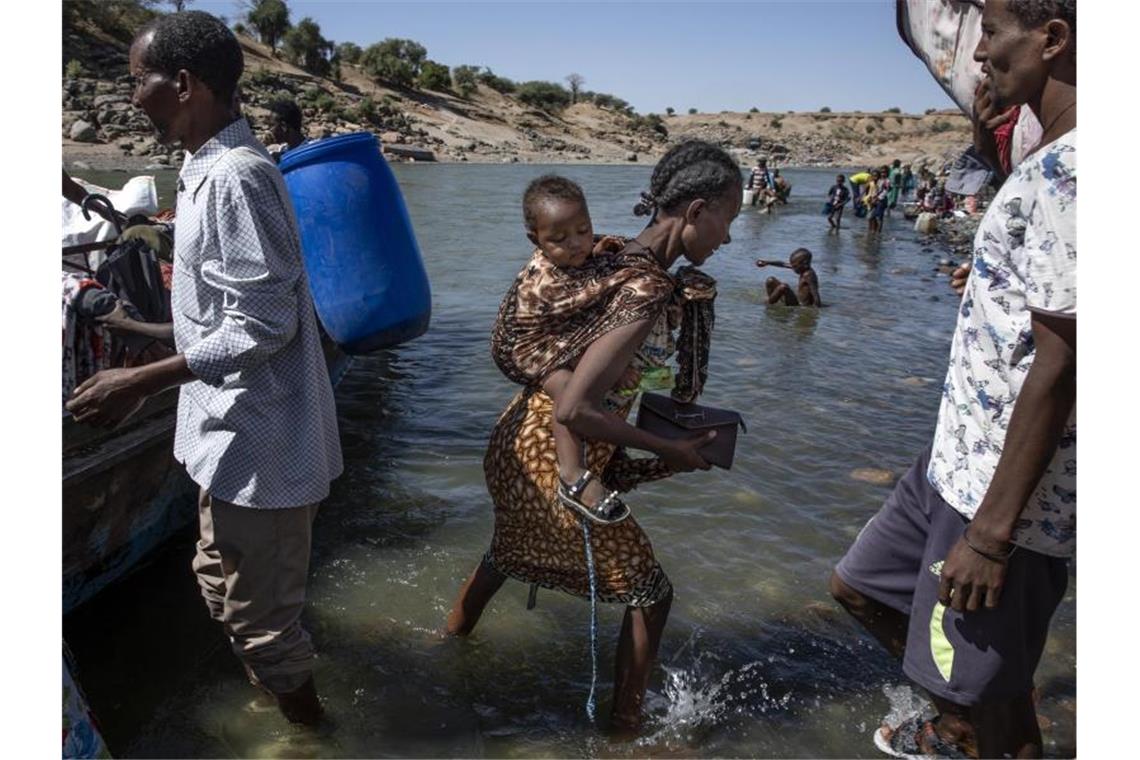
[
  {"x": 135, "y": 277},
  {"x": 944, "y": 35}
]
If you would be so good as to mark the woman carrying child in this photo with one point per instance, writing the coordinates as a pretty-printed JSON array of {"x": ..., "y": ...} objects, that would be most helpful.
[{"x": 602, "y": 317}]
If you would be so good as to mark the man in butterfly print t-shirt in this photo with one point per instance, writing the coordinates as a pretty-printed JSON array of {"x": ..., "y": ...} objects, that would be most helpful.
[{"x": 962, "y": 568}]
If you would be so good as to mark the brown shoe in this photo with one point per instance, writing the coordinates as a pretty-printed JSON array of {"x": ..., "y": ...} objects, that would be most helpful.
[{"x": 301, "y": 705}]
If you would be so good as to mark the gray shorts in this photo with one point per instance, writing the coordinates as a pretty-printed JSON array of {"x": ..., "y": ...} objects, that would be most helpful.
[{"x": 965, "y": 657}]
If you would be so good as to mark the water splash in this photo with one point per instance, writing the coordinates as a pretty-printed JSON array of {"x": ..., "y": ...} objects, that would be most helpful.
[
  {"x": 704, "y": 694},
  {"x": 905, "y": 703}
]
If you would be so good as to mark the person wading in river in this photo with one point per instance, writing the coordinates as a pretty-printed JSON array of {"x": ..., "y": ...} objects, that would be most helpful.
[
  {"x": 615, "y": 315},
  {"x": 961, "y": 570},
  {"x": 256, "y": 423}
]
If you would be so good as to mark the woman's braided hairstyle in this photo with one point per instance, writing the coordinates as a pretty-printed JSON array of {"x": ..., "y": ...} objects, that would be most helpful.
[{"x": 689, "y": 170}]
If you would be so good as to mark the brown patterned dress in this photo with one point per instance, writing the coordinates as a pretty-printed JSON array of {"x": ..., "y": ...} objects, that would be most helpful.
[{"x": 546, "y": 321}]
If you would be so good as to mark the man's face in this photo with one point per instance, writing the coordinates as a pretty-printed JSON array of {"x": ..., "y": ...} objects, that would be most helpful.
[
  {"x": 1011, "y": 56},
  {"x": 156, "y": 94}
]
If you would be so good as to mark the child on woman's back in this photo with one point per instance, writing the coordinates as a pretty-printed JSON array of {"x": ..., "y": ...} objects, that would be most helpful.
[{"x": 558, "y": 223}]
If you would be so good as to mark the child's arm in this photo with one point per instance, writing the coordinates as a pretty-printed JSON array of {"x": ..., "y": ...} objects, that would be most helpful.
[{"x": 766, "y": 263}]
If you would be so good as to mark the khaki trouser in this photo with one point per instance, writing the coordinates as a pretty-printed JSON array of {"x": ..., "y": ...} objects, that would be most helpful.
[{"x": 252, "y": 565}]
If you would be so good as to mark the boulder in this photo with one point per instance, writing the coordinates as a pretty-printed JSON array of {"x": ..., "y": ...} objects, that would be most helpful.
[
  {"x": 631, "y": 156},
  {"x": 81, "y": 166},
  {"x": 107, "y": 100},
  {"x": 392, "y": 138},
  {"x": 873, "y": 475},
  {"x": 83, "y": 131}
]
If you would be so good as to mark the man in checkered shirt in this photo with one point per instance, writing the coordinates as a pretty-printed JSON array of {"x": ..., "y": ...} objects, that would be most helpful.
[{"x": 256, "y": 419}]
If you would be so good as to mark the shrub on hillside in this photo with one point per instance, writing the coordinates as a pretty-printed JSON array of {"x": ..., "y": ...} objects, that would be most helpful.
[
  {"x": 611, "y": 102},
  {"x": 548, "y": 96},
  {"x": 670, "y": 111},
  {"x": 825, "y": 109},
  {"x": 941, "y": 126},
  {"x": 896, "y": 109},
  {"x": 349, "y": 52},
  {"x": 365, "y": 112},
  {"x": 651, "y": 123},
  {"x": 74, "y": 69},
  {"x": 776, "y": 124},
  {"x": 869, "y": 128},
  {"x": 434, "y": 76},
  {"x": 692, "y": 111},
  {"x": 239, "y": 28},
  {"x": 753, "y": 109},
  {"x": 465, "y": 79},
  {"x": 394, "y": 60},
  {"x": 262, "y": 78},
  {"x": 929, "y": 111},
  {"x": 497, "y": 83}
]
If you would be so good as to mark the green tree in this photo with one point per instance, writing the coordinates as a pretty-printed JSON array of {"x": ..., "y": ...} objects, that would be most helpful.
[
  {"x": 548, "y": 96},
  {"x": 825, "y": 109},
  {"x": 270, "y": 19},
  {"x": 465, "y": 79},
  {"x": 304, "y": 46},
  {"x": 670, "y": 111},
  {"x": 692, "y": 111},
  {"x": 394, "y": 60},
  {"x": 434, "y": 76},
  {"x": 611, "y": 102},
  {"x": 349, "y": 52}
]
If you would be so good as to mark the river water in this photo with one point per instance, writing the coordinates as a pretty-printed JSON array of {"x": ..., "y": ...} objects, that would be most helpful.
[{"x": 756, "y": 660}]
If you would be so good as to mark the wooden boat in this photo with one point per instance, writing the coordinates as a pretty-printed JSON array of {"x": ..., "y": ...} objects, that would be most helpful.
[{"x": 124, "y": 494}]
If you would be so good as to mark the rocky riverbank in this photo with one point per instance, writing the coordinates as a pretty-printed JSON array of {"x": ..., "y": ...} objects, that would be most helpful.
[{"x": 102, "y": 130}]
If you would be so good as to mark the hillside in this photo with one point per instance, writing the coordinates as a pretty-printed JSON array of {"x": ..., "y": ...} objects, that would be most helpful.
[{"x": 101, "y": 129}]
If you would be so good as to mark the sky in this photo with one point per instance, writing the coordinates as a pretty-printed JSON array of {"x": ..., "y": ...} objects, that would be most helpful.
[{"x": 774, "y": 55}]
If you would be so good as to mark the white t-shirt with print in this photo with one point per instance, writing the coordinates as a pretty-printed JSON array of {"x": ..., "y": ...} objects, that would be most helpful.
[{"x": 1025, "y": 259}]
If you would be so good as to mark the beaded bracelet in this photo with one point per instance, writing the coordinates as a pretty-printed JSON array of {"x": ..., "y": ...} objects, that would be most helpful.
[{"x": 1002, "y": 558}]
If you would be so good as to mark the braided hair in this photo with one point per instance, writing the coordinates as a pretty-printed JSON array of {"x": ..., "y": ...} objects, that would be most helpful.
[{"x": 689, "y": 170}]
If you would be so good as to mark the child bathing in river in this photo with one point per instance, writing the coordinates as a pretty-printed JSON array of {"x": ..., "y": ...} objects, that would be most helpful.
[{"x": 807, "y": 290}]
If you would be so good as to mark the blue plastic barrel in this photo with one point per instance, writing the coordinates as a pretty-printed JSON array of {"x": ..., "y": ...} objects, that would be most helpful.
[{"x": 364, "y": 265}]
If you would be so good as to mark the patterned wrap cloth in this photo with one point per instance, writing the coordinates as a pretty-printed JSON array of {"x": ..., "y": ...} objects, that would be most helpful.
[{"x": 548, "y": 318}]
